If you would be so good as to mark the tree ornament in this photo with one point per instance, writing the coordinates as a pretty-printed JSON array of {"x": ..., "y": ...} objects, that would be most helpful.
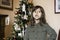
[{"x": 25, "y": 17}]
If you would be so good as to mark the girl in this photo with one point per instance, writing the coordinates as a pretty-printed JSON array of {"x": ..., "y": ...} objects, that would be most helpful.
[{"x": 39, "y": 29}]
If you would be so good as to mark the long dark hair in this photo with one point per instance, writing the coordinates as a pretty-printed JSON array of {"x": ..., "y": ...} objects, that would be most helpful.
[{"x": 42, "y": 19}]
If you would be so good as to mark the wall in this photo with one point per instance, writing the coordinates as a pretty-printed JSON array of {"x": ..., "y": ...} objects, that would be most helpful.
[
  {"x": 10, "y": 13},
  {"x": 52, "y": 18}
]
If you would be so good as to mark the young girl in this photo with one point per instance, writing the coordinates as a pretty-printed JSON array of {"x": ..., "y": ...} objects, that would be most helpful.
[{"x": 39, "y": 29}]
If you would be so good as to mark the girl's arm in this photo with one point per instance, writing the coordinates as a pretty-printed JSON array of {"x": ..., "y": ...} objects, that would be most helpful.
[{"x": 51, "y": 32}]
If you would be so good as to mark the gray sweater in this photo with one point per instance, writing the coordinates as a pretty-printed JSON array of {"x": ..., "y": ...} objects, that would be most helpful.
[{"x": 38, "y": 32}]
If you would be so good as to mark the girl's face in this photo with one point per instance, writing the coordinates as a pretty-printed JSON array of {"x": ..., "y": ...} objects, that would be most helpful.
[{"x": 37, "y": 13}]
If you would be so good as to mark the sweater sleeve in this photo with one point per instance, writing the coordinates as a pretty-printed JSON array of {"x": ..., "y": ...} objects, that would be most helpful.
[
  {"x": 26, "y": 34},
  {"x": 51, "y": 32}
]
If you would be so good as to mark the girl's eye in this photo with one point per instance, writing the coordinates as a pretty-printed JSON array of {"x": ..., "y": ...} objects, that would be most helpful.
[
  {"x": 39, "y": 11},
  {"x": 35, "y": 11}
]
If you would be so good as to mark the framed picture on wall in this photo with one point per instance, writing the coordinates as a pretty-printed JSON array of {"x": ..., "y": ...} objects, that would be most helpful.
[{"x": 6, "y": 4}]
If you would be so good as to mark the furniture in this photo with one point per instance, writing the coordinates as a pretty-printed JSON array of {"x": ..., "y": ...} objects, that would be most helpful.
[{"x": 2, "y": 26}]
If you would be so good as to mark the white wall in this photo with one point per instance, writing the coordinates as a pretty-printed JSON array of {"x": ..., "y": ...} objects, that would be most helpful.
[{"x": 52, "y": 18}]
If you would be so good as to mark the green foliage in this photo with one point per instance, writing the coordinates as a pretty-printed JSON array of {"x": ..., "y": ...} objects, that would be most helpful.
[{"x": 20, "y": 22}]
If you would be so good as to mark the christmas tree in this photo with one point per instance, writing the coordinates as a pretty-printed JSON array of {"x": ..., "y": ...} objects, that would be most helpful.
[{"x": 22, "y": 17}]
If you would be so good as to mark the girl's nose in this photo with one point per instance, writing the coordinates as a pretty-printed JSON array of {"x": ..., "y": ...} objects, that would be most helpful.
[{"x": 37, "y": 12}]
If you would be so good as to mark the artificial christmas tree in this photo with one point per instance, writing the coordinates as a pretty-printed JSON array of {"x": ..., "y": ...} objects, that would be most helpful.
[{"x": 22, "y": 17}]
